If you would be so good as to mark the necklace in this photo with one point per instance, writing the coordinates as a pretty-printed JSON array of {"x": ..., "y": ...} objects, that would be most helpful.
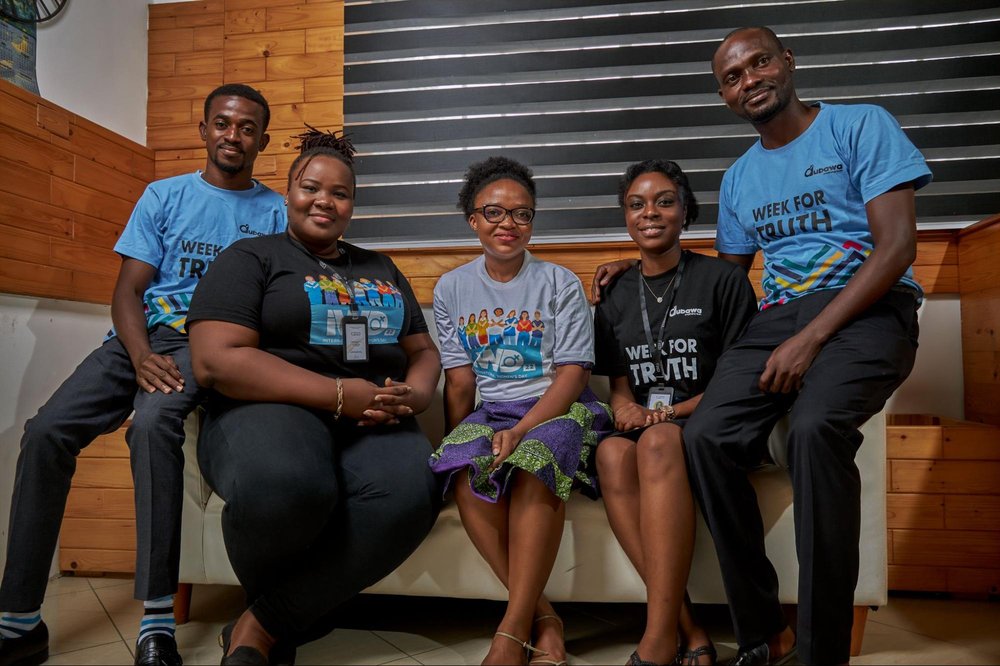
[{"x": 659, "y": 299}]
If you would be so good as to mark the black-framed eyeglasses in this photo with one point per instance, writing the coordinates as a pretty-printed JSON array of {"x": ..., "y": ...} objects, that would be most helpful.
[{"x": 494, "y": 214}]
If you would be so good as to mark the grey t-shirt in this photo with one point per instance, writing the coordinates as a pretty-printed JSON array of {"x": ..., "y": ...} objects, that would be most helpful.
[{"x": 515, "y": 333}]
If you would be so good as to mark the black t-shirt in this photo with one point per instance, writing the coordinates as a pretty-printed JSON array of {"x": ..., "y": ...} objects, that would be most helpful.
[
  {"x": 297, "y": 302},
  {"x": 713, "y": 304}
]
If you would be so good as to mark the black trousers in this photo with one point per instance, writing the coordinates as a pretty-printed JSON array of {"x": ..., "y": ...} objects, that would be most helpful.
[
  {"x": 95, "y": 399},
  {"x": 315, "y": 511},
  {"x": 850, "y": 380}
]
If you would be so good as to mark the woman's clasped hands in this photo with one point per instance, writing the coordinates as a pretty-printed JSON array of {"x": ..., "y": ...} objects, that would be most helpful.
[
  {"x": 631, "y": 416},
  {"x": 372, "y": 405}
]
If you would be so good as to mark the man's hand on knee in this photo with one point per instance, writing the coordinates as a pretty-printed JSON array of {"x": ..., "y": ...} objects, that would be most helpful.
[
  {"x": 158, "y": 373},
  {"x": 788, "y": 364}
]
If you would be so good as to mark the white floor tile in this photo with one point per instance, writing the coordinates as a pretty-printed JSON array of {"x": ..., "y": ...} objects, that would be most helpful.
[
  {"x": 111, "y": 653},
  {"x": 89, "y": 619},
  {"x": 884, "y": 644},
  {"x": 125, "y": 611},
  {"x": 97, "y": 582},
  {"x": 76, "y": 620},
  {"x": 348, "y": 646},
  {"x": 65, "y": 585}
]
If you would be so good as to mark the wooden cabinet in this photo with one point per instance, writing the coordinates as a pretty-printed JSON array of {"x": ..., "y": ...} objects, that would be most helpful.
[{"x": 943, "y": 505}]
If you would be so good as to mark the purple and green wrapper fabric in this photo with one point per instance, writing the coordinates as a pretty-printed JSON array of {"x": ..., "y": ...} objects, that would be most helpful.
[{"x": 558, "y": 451}]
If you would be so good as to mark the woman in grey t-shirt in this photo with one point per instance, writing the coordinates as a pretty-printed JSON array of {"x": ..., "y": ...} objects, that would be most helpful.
[{"x": 514, "y": 458}]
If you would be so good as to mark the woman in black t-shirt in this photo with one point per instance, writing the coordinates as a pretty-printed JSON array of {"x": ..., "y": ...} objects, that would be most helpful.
[
  {"x": 659, "y": 329},
  {"x": 319, "y": 358}
]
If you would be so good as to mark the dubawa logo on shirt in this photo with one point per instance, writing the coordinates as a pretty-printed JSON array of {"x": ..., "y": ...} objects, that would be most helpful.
[
  {"x": 330, "y": 297},
  {"x": 504, "y": 345}
]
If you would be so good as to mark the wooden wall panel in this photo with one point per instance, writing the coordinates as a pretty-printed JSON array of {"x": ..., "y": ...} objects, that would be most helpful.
[
  {"x": 936, "y": 255},
  {"x": 291, "y": 52},
  {"x": 979, "y": 287},
  {"x": 67, "y": 188}
]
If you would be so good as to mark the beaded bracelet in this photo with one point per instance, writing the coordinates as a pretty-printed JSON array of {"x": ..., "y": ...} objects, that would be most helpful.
[{"x": 340, "y": 399}]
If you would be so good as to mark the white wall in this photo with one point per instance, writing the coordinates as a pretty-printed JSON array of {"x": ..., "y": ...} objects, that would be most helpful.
[
  {"x": 91, "y": 60},
  {"x": 936, "y": 384}
]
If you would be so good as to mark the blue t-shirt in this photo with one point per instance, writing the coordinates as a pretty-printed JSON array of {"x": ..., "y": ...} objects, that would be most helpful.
[
  {"x": 803, "y": 204},
  {"x": 180, "y": 224}
]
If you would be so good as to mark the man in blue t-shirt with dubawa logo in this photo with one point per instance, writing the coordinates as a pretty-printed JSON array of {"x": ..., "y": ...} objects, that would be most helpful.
[
  {"x": 176, "y": 230},
  {"x": 827, "y": 195}
]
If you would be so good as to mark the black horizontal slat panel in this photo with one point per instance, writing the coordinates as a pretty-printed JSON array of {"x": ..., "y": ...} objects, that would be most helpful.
[{"x": 580, "y": 89}]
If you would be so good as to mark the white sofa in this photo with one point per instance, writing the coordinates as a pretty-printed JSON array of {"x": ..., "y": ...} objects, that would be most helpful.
[{"x": 590, "y": 566}]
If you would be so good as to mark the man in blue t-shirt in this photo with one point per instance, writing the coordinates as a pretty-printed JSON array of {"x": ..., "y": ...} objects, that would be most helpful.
[
  {"x": 177, "y": 228},
  {"x": 828, "y": 195}
]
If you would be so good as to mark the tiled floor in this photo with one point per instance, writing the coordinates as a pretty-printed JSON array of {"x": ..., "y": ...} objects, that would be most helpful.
[{"x": 94, "y": 621}]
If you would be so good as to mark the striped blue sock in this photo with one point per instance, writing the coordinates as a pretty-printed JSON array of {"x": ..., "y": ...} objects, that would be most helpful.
[
  {"x": 15, "y": 625},
  {"x": 158, "y": 618}
]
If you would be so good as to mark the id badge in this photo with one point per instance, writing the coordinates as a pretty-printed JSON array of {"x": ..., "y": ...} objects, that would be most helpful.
[
  {"x": 355, "y": 339},
  {"x": 660, "y": 397}
]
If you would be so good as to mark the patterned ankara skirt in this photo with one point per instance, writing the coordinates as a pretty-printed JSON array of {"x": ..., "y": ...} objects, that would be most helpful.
[{"x": 558, "y": 451}]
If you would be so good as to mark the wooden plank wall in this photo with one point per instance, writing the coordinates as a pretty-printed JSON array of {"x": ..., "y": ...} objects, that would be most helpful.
[
  {"x": 943, "y": 505},
  {"x": 98, "y": 529},
  {"x": 979, "y": 289},
  {"x": 67, "y": 188},
  {"x": 936, "y": 266},
  {"x": 290, "y": 50}
]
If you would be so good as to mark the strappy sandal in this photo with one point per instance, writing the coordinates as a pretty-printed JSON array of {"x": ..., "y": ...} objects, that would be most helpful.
[
  {"x": 690, "y": 657},
  {"x": 539, "y": 660},
  {"x": 635, "y": 660},
  {"x": 528, "y": 647}
]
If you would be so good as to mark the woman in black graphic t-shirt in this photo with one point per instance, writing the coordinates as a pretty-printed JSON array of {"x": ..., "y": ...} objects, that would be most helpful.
[
  {"x": 319, "y": 357},
  {"x": 659, "y": 329}
]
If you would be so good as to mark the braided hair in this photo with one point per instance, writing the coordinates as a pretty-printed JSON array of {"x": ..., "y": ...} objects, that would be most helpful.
[
  {"x": 315, "y": 142},
  {"x": 490, "y": 170}
]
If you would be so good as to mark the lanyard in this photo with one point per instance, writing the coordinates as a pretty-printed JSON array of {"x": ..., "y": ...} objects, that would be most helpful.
[
  {"x": 344, "y": 278},
  {"x": 657, "y": 349}
]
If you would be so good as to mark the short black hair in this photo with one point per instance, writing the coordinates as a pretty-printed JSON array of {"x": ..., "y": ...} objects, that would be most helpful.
[
  {"x": 315, "y": 142},
  {"x": 490, "y": 170},
  {"x": 672, "y": 171},
  {"x": 244, "y": 91},
  {"x": 770, "y": 34}
]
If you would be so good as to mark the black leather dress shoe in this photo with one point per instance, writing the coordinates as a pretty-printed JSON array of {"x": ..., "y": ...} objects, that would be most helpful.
[
  {"x": 28, "y": 650},
  {"x": 158, "y": 650},
  {"x": 760, "y": 655}
]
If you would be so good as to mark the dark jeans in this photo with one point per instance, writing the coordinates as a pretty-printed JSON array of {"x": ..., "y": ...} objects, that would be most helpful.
[
  {"x": 315, "y": 511},
  {"x": 850, "y": 380},
  {"x": 95, "y": 399}
]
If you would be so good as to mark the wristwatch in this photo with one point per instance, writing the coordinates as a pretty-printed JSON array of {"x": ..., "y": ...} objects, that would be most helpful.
[{"x": 669, "y": 411}]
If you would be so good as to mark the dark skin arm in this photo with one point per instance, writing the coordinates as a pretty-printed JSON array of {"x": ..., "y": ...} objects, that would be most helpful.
[
  {"x": 563, "y": 392},
  {"x": 153, "y": 372},
  {"x": 226, "y": 357},
  {"x": 630, "y": 415},
  {"x": 459, "y": 395},
  {"x": 892, "y": 218},
  {"x": 606, "y": 274}
]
